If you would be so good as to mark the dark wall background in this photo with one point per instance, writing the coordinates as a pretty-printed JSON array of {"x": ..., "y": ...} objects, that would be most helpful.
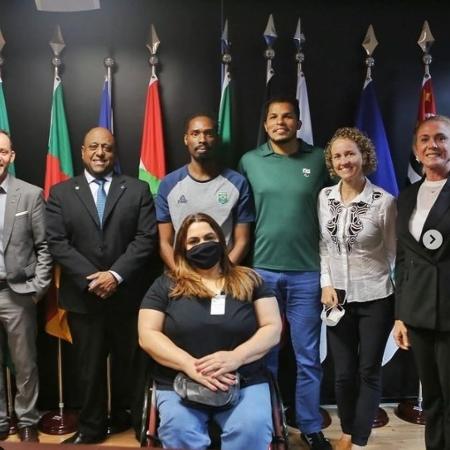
[{"x": 190, "y": 82}]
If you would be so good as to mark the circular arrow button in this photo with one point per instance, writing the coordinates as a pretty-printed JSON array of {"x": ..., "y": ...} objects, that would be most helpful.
[{"x": 432, "y": 239}]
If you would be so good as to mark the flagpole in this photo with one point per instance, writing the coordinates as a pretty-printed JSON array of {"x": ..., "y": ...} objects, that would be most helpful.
[
  {"x": 369, "y": 44},
  {"x": 227, "y": 152},
  {"x": 305, "y": 132},
  {"x": 411, "y": 411},
  {"x": 426, "y": 106},
  {"x": 109, "y": 64},
  {"x": 60, "y": 421},
  {"x": 270, "y": 36}
]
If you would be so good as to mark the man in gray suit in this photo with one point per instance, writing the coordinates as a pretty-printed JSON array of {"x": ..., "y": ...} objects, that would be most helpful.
[{"x": 25, "y": 274}]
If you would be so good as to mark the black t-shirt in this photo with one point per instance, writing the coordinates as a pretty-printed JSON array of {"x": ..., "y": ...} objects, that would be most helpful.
[{"x": 191, "y": 326}]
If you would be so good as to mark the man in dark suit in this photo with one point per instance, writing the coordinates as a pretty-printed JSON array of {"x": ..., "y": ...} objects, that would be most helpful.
[
  {"x": 25, "y": 274},
  {"x": 102, "y": 231}
]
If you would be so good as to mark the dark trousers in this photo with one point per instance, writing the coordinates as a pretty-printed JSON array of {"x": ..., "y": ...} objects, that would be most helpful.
[
  {"x": 432, "y": 355},
  {"x": 94, "y": 337},
  {"x": 357, "y": 344}
]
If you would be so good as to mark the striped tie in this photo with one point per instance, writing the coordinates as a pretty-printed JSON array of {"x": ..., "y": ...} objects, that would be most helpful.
[{"x": 101, "y": 198}]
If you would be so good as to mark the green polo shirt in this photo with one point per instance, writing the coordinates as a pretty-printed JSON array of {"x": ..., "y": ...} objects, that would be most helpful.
[{"x": 285, "y": 190}]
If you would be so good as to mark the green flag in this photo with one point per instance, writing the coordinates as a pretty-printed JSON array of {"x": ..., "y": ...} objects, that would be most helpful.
[
  {"x": 4, "y": 123},
  {"x": 225, "y": 125}
]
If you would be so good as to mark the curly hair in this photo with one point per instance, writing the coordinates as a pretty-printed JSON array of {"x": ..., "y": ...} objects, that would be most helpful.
[{"x": 364, "y": 144}]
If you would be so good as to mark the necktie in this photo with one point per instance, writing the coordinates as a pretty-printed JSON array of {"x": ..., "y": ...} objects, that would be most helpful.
[{"x": 101, "y": 198}]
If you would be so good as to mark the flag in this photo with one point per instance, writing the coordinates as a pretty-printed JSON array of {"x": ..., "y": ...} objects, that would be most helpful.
[
  {"x": 427, "y": 108},
  {"x": 152, "y": 164},
  {"x": 106, "y": 116},
  {"x": 369, "y": 120},
  {"x": 105, "y": 119},
  {"x": 4, "y": 122},
  {"x": 267, "y": 94},
  {"x": 305, "y": 132},
  {"x": 59, "y": 157},
  {"x": 59, "y": 168},
  {"x": 225, "y": 122}
]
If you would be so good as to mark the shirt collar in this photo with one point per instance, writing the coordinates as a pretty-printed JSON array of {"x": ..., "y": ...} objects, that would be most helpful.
[
  {"x": 90, "y": 178},
  {"x": 5, "y": 183},
  {"x": 267, "y": 150},
  {"x": 365, "y": 196}
]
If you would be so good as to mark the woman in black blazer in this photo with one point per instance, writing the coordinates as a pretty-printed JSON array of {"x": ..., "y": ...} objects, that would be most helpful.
[{"x": 423, "y": 276}]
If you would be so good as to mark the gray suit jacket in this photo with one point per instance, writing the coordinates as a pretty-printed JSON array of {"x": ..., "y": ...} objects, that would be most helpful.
[{"x": 27, "y": 259}]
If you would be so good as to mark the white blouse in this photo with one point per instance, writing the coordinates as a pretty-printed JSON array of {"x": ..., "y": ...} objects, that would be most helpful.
[
  {"x": 426, "y": 197},
  {"x": 358, "y": 242}
]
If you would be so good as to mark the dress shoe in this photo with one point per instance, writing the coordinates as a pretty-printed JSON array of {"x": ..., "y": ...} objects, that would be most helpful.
[
  {"x": 80, "y": 438},
  {"x": 28, "y": 434},
  {"x": 4, "y": 434}
]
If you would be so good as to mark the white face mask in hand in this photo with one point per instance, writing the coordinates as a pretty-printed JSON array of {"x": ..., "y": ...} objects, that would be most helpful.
[{"x": 332, "y": 316}]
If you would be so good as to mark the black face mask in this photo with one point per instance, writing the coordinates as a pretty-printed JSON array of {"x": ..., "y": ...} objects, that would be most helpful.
[{"x": 205, "y": 255}]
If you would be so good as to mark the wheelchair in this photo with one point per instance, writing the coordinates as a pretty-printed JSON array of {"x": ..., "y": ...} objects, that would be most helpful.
[{"x": 148, "y": 432}]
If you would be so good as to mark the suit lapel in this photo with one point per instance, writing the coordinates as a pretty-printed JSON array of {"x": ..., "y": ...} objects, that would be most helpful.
[
  {"x": 12, "y": 200},
  {"x": 83, "y": 192},
  {"x": 117, "y": 188},
  {"x": 408, "y": 203},
  {"x": 436, "y": 217}
]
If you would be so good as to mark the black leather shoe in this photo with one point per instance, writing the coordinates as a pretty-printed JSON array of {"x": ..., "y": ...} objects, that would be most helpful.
[
  {"x": 28, "y": 434},
  {"x": 80, "y": 438},
  {"x": 4, "y": 434}
]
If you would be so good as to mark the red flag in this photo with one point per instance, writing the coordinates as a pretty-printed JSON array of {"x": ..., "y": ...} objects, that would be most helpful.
[
  {"x": 59, "y": 168},
  {"x": 427, "y": 105},
  {"x": 152, "y": 164},
  {"x": 427, "y": 108}
]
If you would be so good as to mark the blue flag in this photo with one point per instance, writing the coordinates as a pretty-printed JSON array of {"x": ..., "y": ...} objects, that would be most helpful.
[
  {"x": 106, "y": 118},
  {"x": 369, "y": 120}
]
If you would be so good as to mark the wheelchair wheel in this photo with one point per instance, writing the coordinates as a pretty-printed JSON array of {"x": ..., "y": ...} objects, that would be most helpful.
[
  {"x": 147, "y": 436},
  {"x": 280, "y": 439},
  {"x": 145, "y": 415}
]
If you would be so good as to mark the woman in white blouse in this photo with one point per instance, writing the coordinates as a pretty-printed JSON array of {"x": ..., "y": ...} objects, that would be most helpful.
[{"x": 357, "y": 250}]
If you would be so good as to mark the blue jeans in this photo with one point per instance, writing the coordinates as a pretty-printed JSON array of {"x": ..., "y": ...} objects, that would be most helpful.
[
  {"x": 248, "y": 425},
  {"x": 298, "y": 295}
]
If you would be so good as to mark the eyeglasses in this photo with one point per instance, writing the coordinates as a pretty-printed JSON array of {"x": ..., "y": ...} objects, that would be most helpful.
[{"x": 95, "y": 145}]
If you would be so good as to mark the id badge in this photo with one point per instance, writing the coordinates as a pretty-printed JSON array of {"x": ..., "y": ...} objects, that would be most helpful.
[{"x": 218, "y": 305}]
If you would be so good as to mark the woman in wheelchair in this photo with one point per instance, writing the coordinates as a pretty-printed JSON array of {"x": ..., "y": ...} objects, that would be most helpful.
[{"x": 214, "y": 322}]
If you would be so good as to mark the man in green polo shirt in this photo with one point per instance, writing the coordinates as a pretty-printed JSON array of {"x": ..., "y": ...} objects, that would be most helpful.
[{"x": 286, "y": 176}]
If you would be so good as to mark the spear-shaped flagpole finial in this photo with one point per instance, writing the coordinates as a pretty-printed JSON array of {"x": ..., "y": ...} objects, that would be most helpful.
[
  {"x": 369, "y": 44},
  {"x": 57, "y": 45},
  {"x": 426, "y": 39},
  {"x": 153, "y": 42},
  {"x": 270, "y": 34},
  {"x": 226, "y": 45},
  {"x": 425, "y": 42},
  {"x": 2, "y": 44},
  {"x": 153, "y": 45},
  {"x": 299, "y": 41}
]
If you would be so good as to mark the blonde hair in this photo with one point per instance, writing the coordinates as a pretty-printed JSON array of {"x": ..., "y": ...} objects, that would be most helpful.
[
  {"x": 239, "y": 281},
  {"x": 364, "y": 144}
]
